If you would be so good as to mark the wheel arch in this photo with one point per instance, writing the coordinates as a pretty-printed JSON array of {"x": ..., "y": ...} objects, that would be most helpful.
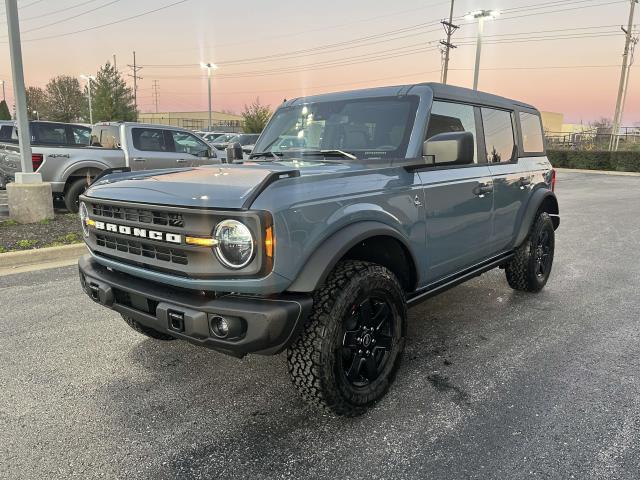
[
  {"x": 542, "y": 200},
  {"x": 369, "y": 241},
  {"x": 82, "y": 169}
]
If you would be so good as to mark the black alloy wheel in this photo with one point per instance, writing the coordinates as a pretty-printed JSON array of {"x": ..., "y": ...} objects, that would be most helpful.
[{"x": 368, "y": 339}]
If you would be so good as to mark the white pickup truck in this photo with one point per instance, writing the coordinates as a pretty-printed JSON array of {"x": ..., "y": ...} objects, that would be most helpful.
[{"x": 138, "y": 146}]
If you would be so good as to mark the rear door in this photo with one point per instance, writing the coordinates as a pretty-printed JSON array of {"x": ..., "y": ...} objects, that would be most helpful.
[
  {"x": 511, "y": 179},
  {"x": 458, "y": 199},
  {"x": 150, "y": 149}
]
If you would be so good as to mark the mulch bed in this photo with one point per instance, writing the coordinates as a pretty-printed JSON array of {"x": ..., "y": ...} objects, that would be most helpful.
[{"x": 64, "y": 229}]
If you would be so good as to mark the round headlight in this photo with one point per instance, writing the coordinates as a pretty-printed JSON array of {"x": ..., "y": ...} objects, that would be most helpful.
[
  {"x": 84, "y": 215},
  {"x": 234, "y": 247}
]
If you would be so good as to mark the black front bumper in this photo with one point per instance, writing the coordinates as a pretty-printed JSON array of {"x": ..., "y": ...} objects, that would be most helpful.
[{"x": 264, "y": 325}]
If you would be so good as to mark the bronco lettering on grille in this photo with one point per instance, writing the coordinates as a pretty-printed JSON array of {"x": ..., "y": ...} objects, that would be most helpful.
[{"x": 139, "y": 232}]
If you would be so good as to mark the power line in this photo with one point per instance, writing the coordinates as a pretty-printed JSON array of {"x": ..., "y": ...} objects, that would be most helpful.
[
  {"x": 87, "y": 12},
  {"x": 115, "y": 22}
]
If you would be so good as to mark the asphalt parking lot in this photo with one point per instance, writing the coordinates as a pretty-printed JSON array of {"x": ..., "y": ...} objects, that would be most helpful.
[{"x": 495, "y": 384}]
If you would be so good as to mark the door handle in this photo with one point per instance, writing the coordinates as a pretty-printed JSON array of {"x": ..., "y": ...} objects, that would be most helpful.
[
  {"x": 482, "y": 189},
  {"x": 139, "y": 159},
  {"x": 182, "y": 160},
  {"x": 524, "y": 182}
]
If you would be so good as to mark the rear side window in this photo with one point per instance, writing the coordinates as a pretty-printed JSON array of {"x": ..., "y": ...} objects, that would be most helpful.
[
  {"x": 149, "y": 140},
  {"x": 81, "y": 135},
  {"x": 498, "y": 135},
  {"x": 453, "y": 117},
  {"x": 106, "y": 136},
  {"x": 531, "y": 127}
]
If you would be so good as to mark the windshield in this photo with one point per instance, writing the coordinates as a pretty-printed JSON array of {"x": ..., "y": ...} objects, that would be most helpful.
[
  {"x": 367, "y": 128},
  {"x": 224, "y": 138}
]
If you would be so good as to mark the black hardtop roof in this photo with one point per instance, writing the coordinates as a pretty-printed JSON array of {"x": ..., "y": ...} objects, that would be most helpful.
[{"x": 440, "y": 91}]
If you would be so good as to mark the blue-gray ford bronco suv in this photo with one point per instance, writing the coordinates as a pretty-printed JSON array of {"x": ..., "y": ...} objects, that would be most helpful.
[{"x": 353, "y": 207}]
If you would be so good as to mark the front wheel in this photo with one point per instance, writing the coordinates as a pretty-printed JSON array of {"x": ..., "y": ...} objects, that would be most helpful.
[
  {"x": 350, "y": 348},
  {"x": 530, "y": 267}
]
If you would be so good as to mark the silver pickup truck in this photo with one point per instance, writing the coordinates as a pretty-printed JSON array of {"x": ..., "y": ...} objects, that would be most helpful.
[{"x": 138, "y": 146}]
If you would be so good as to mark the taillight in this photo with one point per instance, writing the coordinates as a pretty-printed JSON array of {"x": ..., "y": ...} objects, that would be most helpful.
[
  {"x": 36, "y": 160},
  {"x": 553, "y": 180}
]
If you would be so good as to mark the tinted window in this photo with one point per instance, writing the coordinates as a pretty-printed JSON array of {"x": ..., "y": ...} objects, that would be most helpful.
[
  {"x": 368, "y": 128},
  {"x": 186, "y": 143},
  {"x": 498, "y": 135},
  {"x": 50, "y": 134},
  {"x": 6, "y": 132},
  {"x": 149, "y": 140},
  {"x": 452, "y": 117},
  {"x": 531, "y": 133}
]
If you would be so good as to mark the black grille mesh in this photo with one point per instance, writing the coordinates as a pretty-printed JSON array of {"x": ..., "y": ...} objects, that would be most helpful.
[
  {"x": 147, "y": 250},
  {"x": 139, "y": 215}
]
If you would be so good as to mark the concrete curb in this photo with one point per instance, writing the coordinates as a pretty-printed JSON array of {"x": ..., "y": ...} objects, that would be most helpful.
[
  {"x": 598, "y": 172},
  {"x": 42, "y": 256}
]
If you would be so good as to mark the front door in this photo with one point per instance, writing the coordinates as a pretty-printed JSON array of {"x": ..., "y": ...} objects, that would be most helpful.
[
  {"x": 458, "y": 200},
  {"x": 150, "y": 149}
]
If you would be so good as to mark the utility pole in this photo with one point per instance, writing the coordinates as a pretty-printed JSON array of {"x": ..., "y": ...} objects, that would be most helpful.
[
  {"x": 115, "y": 67},
  {"x": 634, "y": 42},
  {"x": 156, "y": 94},
  {"x": 623, "y": 73},
  {"x": 449, "y": 28},
  {"x": 4, "y": 97},
  {"x": 135, "y": 77}
]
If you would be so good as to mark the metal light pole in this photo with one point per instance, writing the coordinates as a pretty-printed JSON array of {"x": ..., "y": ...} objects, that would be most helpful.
[
  {"x": 17, "y": 75},
  {"x": 4, "y": 97},
  {"x": 89, "y": 78},
  {"x": 209, "y": 66},
  {"x": 29, "y": 197},
  {"x": 481, "y": 15}
]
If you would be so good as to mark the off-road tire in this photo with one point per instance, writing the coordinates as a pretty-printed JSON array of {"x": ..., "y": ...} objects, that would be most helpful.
[
  {"x": 314, "y": 359},
  {"x": 521, "y": 270},
  {"x": 149, "y": 332},
  {"x": 72, "y": 194}
]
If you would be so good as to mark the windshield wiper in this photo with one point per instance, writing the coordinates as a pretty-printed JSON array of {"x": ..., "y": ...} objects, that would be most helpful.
[
  {"x": 275, "y": 155},
  {"x": 333, "y": 152}
]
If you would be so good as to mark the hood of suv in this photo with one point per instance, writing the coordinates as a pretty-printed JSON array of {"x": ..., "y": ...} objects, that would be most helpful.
[{"x": 206, "y": 187}]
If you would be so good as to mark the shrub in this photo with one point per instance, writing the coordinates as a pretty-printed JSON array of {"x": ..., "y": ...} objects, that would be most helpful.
[{"x": 595, "y": 160}]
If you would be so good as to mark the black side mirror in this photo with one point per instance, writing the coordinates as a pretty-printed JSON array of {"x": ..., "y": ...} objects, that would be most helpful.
[
  {"x": 451, "y": 148},
  {"x": 234, "y": 152}
]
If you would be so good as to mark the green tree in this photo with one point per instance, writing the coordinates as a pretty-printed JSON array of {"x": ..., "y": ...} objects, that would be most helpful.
[
  {"x": 256, "y": 116},
  {"x": 63, "y": 99},
  {"x": 112, "y": 99},
  {"x": 4, "y": 111},
  {"x": 36, "y": 102}
]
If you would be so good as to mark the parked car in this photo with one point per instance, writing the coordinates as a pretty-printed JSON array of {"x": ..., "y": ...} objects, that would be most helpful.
[
  {"x": 137, "y": 146},
  {"x": 48, "y": 133},
  {"x": 246, "y": 141},
  {"x": 398, "y": 194}
]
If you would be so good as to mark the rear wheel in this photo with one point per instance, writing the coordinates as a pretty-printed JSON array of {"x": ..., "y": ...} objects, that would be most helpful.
[
  {"x": 72, "y": 195},
  {"x": 149, "y": 332},
  {"x": 351, "y": 346},
  {"x": 530, "y": 267}
]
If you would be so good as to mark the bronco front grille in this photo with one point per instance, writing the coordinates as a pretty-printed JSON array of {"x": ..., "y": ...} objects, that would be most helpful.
[
  {"x": 143, "y": 249},
  {"x": 139, "y": 215}
]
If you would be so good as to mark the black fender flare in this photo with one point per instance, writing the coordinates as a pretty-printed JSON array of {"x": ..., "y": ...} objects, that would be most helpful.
[
  {"x": 538, "y": 198},
  {"x": 322, "y": 261}
]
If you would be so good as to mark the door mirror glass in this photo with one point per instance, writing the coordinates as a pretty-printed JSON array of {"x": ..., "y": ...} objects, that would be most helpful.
[{"x": 452, "y": 148}]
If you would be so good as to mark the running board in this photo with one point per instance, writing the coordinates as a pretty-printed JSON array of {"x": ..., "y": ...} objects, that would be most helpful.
[{"x": 457, "y": 279}]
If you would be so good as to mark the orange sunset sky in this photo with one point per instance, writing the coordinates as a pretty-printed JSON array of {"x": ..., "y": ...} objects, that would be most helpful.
[{"x": 561, "y": 56}]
